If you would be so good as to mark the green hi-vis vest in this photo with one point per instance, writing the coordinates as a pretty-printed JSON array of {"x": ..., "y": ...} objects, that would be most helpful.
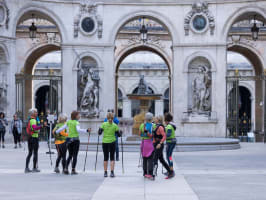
[
  {"x": 72, "y": 128},
  {"x": 172, "y": 136},
  {"x": 59, "y": 137},
  {"x": 35, "y": 133},
  {"x": 143, "y": 135}
]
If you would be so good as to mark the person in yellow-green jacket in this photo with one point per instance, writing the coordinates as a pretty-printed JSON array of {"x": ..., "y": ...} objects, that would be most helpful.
[
  {"x": 60, "y": 143},
  {"x": 170, "y": 139},
  {"x": 72, "y": 140},
  {"x": 33, "y": 141},
  {"x": 109, "y": 130}
]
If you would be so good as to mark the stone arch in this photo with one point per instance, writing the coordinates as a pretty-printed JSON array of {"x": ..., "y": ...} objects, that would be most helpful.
[
  {"x": 197, "y": 54},
  {"x": 252, "y": 54},
  {"x": 138, "y": 47},
  {"x": 34, "y": 54},
  {"x": 51, "y": 16},
  {"x": 146, "y": 13},
  {"x": 238, "y": 13},
  {"x": 122, "y": 89},
  {"x": 87, "y": 54}
]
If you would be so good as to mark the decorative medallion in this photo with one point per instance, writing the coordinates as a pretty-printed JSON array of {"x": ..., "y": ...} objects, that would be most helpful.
[
  {"x": 199, "y": 19},
  {"x": 87, "y": 21}
]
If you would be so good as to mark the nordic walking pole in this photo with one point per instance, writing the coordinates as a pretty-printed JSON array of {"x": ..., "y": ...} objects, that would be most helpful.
[
  {"x": 122, "y": 155},
  {"x": 87, "y": 151},
  {"x": 139, "y": 165},
  {"x": 97, "y": 152}
]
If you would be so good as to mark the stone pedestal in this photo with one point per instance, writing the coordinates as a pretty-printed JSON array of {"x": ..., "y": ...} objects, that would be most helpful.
[{"x": 144, "y": 107}]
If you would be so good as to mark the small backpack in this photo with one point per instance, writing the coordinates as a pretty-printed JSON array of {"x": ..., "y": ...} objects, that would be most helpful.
[{"x": 28, "y": 129}]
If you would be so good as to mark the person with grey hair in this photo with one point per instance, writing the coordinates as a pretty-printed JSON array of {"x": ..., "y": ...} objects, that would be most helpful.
[
  {"x": 16, "y": 129},
  {"x": 33, "y": 140},
  {"x": 147, "y": 149}
]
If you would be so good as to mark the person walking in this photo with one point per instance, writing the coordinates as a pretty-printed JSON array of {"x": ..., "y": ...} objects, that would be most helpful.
[
  {"x": 72, "y": 140},
  {"x": 109, "y": 130},
  {"x": 145, "y": 132},
  {"x": 116, "y": 121},
  {"x": 33, "y": 141},
  {"x": 16, "y": 130},
  {"x": 159, "y": 138},
  {"x": 60, "y": 143},
  {"x": 170, "y": 139},
  {"x": 3, "y": 124}
]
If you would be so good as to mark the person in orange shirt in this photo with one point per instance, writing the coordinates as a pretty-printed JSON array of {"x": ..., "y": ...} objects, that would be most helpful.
[{"x": 60, "y": 143}]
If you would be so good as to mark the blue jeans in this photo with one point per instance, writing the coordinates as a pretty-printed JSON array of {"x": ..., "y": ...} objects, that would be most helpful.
[
  {"x": 116, "y": 148},
  {"x": 169, "y": 151}
]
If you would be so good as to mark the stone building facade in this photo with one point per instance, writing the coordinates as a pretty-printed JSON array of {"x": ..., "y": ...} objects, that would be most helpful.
[{"x": 192, "y": 37}]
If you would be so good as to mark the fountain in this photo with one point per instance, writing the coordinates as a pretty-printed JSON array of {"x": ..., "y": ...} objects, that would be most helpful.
[{"x": 145, "y": 98}]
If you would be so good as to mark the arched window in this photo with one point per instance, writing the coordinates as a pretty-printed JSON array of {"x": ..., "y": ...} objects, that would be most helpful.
[
  {"x": 166, "y": 101},
  {"x": 135, "y": 103},
  {"x": 120, "y": 104}
]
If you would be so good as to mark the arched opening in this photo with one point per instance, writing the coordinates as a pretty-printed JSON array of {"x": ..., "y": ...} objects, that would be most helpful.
[
  {"x": 120, "y": 104},
  {"x": 166, "y": 101},
  {"x": 42, "y": 100},
  {"x": 38, "y": 67},
  {"x": 247, "y": 66},
  {"x": 136, "y": 56}
]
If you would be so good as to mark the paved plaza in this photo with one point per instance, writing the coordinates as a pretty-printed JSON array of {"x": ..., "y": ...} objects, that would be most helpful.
[{"x": 212, "y": 175}]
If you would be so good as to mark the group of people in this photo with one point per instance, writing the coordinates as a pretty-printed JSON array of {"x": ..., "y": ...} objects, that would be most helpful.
[
  {"x": 153, "y": 135},
  {"x": 66, "y": 134},
  {"x": 15, "y": 129},
  {"x": 154, "y": 132}
]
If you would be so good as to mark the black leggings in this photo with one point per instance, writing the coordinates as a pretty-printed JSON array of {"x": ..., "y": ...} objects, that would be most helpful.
[
  {"x": 61, "y": 154},
  {"x": 73, "y": 150},
  {"x": 33, "y": 146},
  {"x": 2, "y": 135},
  {"x": 158, "y": 155},
  {"x": 109, "y": 148},
  {"x": 16, "y": 136},
  {"x": 148, "y": 165}
]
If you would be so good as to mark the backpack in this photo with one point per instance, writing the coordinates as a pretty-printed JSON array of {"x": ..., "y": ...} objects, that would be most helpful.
[{"x": 28, "y": 129}]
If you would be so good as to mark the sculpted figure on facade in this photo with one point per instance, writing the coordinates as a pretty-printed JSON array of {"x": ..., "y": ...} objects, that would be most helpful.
[
  {"x": 88, "y": 91},
  {"x": 201, "y": 90}
]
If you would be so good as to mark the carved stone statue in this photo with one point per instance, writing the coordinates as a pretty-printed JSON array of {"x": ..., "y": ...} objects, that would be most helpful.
[
  {"x": 88, "y": 91},
  {"x": 201, "y": 90},
  {"x": 143, "y": 87}
]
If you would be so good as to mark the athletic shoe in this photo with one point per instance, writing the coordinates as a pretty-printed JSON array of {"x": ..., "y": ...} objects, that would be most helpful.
[
  {"x": 65, "y": 171},
  {"x": 165, "y": 173},
  {"x": 105, "y": 174},
  {"x": 171, "y": 175},
  {"x": 27, "y": 170},
  {"x": 3, "y": 146},
  {"x": 15, "y": 146},
  {"x": 112, "y": 175},
  {"x": 73, "y": 172},
  {"x": 148, "y": 176},
  {"x": 36, "y": 170},
  {"x": 56, "y": 170}
]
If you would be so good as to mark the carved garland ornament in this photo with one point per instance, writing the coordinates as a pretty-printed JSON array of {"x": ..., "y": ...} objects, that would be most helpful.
[
  {"x": 87, "y": 21},
  {"x": 4, "y": 14},
  {"x": 199, "y": 19}
]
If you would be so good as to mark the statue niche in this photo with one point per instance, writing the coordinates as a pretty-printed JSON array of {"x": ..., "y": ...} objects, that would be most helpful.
[
  {"x": 88, "y": 88},
  {"x": 199, "y": 86}
]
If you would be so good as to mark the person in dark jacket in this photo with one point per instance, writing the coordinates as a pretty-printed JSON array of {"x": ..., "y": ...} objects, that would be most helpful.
[{"x": 3, "y": 124}]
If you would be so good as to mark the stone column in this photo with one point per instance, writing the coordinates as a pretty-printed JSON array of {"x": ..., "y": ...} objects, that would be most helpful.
[
  {"x": 159, "y": 107},
  {"x": 126, "y": 108},
  {"x": 69, "y": 82}
]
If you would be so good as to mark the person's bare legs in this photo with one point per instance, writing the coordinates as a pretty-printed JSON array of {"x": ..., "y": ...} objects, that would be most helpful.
[{"x": 112, "y": 165}]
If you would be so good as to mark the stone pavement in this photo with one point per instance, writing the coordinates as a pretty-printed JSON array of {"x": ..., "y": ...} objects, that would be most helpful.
[{"x": 216, "y": 175}]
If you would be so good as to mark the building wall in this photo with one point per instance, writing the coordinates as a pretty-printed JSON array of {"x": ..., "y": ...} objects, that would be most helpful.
[{"x": 114, "y": 15}]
